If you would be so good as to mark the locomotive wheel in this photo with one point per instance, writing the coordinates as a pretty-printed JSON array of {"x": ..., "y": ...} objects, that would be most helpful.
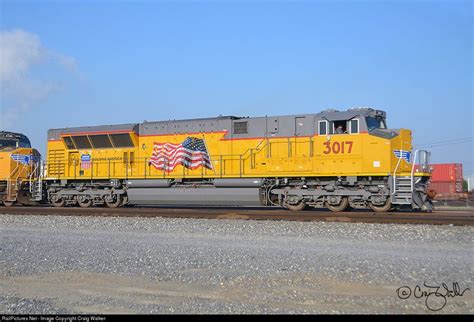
[
  {"x": 84, "y": 203},
  {"x": 59, "y": 203},
  {"x": 383, "y": 208},
  {"x": 25, "y": 199},
  {"x": 299, "y": 206},
  {"x": 340, "y": 207},
  {"x": 114, "y": 204},
  {"x": 8, "y": 203}
]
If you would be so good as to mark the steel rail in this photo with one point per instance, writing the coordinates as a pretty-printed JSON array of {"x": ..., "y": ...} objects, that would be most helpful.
[{"x": 458, "y": 218}]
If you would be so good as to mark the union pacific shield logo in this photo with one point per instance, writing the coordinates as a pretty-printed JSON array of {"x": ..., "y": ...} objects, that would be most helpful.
[
  {"x": 85, "y": 161},
  {"x": 403, "y": 154}
]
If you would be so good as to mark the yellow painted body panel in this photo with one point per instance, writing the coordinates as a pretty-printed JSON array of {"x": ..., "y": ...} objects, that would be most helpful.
[
  {"x": 5, "y": 167},
  {"x": 11, "y": 169},
  {"x": 333, "y": 155}
]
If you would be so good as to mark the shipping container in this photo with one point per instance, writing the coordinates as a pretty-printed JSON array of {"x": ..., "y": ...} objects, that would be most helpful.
[
  {"x": 444, "y": 172},
  {"x": 446, "y": 187},
  {"x": 459, "y": 196}
]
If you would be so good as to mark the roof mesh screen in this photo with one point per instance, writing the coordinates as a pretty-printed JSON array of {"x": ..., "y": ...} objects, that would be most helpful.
[
  {"x": 100, "y": 141},
  {"x": 81, "y": 142},
  {"x": 68, "y": 142},
  {"x": 240, "y": 128},
  {"x": 122, "y": 140}
]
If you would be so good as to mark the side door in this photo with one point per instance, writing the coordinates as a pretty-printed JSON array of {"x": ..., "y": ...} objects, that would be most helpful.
[
  {"x": 73, "y": 164},
  {"x": 301, "y": 147}
]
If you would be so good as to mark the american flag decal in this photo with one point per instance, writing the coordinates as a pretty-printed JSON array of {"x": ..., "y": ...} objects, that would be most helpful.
[{"x": 191, "y": 153}]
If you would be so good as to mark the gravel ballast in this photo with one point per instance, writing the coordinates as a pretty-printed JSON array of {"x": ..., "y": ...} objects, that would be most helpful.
[{"x": 54, "y": 264}]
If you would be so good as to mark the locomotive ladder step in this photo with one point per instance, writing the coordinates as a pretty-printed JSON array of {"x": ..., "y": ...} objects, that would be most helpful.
[
  {"x": 403, "y": 191},
  {"x": 37, "y": 193},
  {"x": 401, "y": 201}
]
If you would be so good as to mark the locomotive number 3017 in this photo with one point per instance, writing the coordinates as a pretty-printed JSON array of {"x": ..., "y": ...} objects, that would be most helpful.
[{"x": 338, "y": 147}]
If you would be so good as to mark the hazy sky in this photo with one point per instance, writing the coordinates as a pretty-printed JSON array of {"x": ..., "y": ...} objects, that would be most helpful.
[{"x": 104, "y": 62}]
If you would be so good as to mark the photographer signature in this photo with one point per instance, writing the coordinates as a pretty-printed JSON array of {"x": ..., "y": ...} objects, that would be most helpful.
[{"x": 436, "y": 296}]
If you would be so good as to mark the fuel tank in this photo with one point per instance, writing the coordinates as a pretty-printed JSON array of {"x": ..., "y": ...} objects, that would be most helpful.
[{"x": 222, "y": 192}]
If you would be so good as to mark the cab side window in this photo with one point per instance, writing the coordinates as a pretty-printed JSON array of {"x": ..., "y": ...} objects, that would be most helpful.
[
  {"x": 354, "y": 126},
  {"x": 322, "y": 127}
]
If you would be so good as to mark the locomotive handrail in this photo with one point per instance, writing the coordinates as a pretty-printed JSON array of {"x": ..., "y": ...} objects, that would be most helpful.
[
  {"x": 395, "y": 173},
  {"x": 10, "y": 180},
  {"x": 398, "y": 164},
  {"x": 39, "y": 173},
  {"x": 15, "y": 169},
  {"x": 34, "y": 170},
  {"x": 425, "y": 164},
  {"x": 30, "y": 177},
  {"x": 413, "y": 169},
  {"x": 109, "y": 170},
  {"x": 262, "y": 141}
]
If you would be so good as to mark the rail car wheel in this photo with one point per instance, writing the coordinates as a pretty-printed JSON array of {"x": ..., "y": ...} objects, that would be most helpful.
[
  {"x": 25, "y": 199},
  {"x": 297, "y": 207},
  {"x": 340, "y": 207},
  {"x": 115, "y": 202},
  {"x": 84, "y": 201},
  {"x": 58, "y": 202},
  {"x": 381, "y": 208},
  {"x": 8, "y": 203}
]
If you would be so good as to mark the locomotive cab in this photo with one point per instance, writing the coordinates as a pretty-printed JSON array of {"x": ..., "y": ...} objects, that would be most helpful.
[
  {"x": 19, "y": 169},
  {"x": 358, "y": 144},
  {"x": 351, "y": 122},
  {"x": 11, "y": 141}
]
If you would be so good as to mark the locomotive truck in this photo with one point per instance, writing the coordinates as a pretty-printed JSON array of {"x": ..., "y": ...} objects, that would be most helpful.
[{"x": 332, "y": 159}]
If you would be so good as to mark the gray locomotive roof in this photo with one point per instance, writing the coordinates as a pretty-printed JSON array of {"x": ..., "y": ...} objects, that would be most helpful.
[
  {"x": 285, "y": 124},
  {"x": 12, "y": 135},
  {"x": 276, "y": 126},
  {"x": 334, "y": 115},
  {"x": 330, "y": 115}
]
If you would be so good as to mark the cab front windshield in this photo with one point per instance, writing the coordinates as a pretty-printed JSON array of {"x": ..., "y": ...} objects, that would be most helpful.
[
  {"x": 6, "y": 143},
  {"x": 375, "y": 123}
]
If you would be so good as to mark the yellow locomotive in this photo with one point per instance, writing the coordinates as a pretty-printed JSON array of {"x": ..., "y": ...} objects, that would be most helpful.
[
  {"x": 333, "y": 159},
  {"x": 19, "y": 169}
]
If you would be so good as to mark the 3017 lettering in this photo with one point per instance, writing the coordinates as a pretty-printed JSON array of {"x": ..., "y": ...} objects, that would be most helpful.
[{"x": 338, "y": 147}]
